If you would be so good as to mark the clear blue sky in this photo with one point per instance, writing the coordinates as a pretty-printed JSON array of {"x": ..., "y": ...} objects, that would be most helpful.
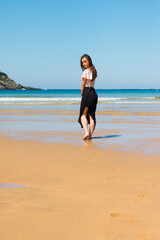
[{"x": 41, "y": 42}]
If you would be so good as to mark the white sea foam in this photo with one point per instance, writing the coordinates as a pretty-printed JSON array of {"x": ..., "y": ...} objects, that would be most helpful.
[
  {"x": 56, "y": 99},
  {"x": 70, "y": 100}
]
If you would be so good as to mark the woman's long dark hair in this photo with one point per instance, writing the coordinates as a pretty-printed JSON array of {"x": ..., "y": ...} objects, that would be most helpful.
[{"x": 91, "y": 66}]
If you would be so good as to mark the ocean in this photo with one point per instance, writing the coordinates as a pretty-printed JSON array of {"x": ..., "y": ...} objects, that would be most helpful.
[{"x": 73, "y": 96}]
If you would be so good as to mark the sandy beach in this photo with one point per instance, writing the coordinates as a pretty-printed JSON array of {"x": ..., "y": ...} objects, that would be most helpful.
[
  {"x": 55, "y": 186},
  {"x": 77, "y": 192}
]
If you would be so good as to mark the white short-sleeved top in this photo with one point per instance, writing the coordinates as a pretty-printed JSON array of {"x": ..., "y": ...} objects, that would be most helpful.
[{"x": 88, "y": 74}]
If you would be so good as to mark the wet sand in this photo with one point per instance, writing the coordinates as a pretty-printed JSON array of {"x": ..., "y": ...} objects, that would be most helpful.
[
  {"x": 129, "y": 129},
  {"x": 77, "y": 192},
  {"x": 73, "y": 112}
]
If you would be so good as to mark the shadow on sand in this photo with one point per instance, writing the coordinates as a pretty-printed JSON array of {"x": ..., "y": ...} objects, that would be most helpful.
[{"x": 105, "y": 136}]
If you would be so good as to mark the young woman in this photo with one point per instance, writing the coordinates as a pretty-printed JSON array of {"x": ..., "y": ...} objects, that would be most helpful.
[{"x": 89, "y": 96}]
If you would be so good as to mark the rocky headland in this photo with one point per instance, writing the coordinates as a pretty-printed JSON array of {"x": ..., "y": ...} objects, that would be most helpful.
[{"x": 7, "y": 83}]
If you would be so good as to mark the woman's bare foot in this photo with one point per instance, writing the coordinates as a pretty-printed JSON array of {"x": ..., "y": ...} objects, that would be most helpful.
[
  {"x": 90, "y": 134},
  {"x": 89, "y": 138},
  {"x": 85, "y": 136}
]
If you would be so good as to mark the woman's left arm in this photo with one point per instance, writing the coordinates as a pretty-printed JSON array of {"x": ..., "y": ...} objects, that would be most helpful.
[{"x": 83, "y": 84}]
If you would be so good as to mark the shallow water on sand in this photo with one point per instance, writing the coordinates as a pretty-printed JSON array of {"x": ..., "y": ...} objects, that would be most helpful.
[
  {"x": 134, "y": 128},
  {"x": 11, "y": 185}
]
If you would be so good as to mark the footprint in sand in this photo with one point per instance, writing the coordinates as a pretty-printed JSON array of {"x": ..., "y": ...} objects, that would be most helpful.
[
  {"x": 121, "y": 217},
  {"x": 112, "y": 179},
  {"x": 94, "y": 159},
  {"x": 142, "y": 195},
  {"x": 114, "y": 168},
  {"x": 115, "y": 215},
  {"x": 150, "y": 167}
]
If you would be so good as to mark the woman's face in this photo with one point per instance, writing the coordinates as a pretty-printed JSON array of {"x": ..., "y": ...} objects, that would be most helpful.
[{"x": 85, "y": 62}]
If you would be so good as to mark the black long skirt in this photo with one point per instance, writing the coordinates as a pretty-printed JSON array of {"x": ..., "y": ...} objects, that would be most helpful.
[{"x": 89, "y": 99}]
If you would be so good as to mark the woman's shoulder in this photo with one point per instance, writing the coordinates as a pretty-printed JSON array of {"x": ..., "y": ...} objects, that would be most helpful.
[{"x": 87, "y": 71}]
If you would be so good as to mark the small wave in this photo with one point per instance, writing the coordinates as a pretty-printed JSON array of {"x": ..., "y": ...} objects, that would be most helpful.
[
  {"x": 76, "y": 100},
  {"x": 125, "y": 98},
  {"x": 69, "y": 99}
]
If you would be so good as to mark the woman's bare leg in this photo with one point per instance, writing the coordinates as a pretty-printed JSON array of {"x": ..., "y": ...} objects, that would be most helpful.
[
  {"x": 92, "y": 126},
  {"x": 85, "y": 123}
]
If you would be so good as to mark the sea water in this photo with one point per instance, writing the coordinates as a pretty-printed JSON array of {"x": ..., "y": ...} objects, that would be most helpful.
[{"x": 73, "y": 96}]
